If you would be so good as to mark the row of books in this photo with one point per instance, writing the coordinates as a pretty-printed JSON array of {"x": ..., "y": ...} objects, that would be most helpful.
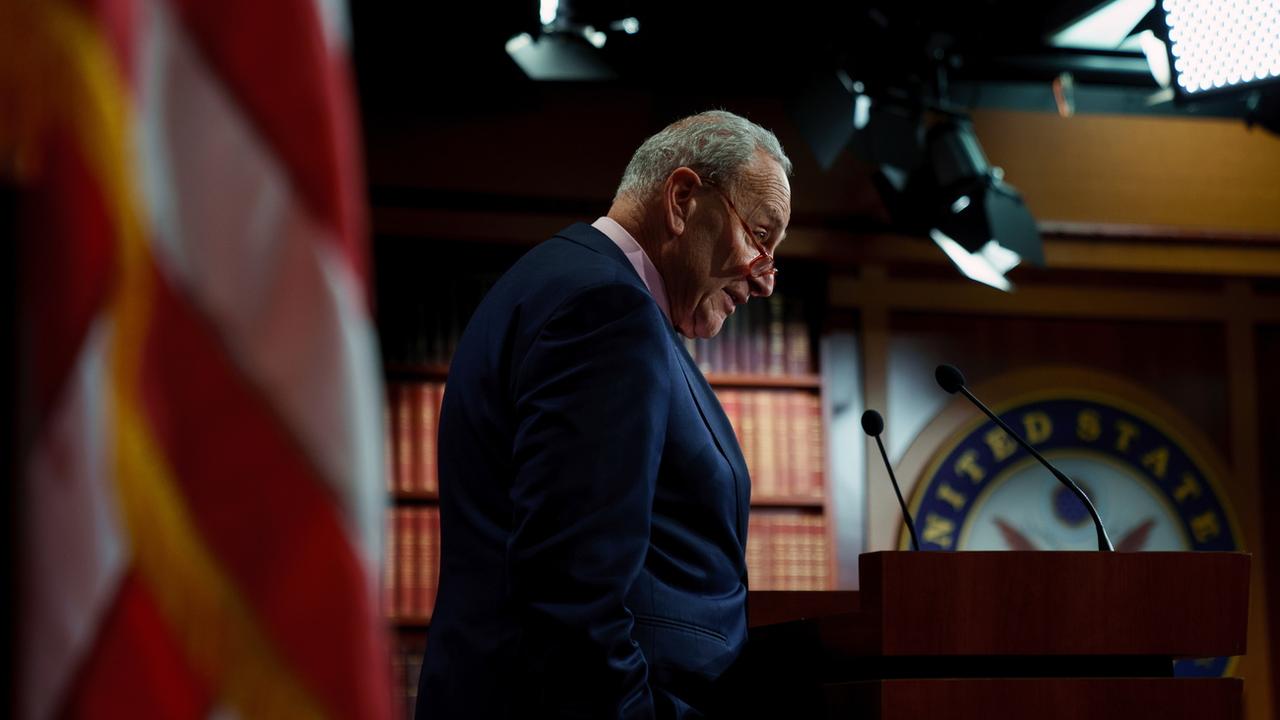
[
  {"x": 413, "y": 410},
  {"x": 766, "y": 336},
  {"x": 787, "y": 550},
  {"x": 411, "y": 572},
  {"x": 780, "y": 432},
  {"x": 406, "y": 666},
  {"x": 422, "y": 327}
]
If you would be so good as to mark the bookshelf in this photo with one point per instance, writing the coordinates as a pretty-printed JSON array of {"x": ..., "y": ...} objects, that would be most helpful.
[
  {"x": 762, "y": 366},
  {"x": 757, "y": 380}
]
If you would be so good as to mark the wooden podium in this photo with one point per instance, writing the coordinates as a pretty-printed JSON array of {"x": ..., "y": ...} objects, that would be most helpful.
[{"x": 983, "y": 635}]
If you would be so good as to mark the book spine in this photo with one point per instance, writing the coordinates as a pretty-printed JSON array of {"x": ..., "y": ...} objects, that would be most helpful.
[
  {"x": 390, "y": 566},
  {"x": 758, "y": 322},
  {"x": 817, "y": 457},
  {"x": 405, "y": 562},
  {"x": 767, "y": 427},
  {"x": 750, "y": 437},
  {"x": 403, "y": 436},
  {"x": 794, "y": 452},
  {"x": 431, "y": 575},
  {"x": 777, "y": 355},
  {"x": 422, "y": 568},
  {"x": 427, "y": 439},
  {"x": 797, "y": 341},
  {"x": 417, "y": 418}
]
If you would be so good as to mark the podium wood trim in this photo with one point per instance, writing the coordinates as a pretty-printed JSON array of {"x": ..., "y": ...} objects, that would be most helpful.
[{"x": 1038, "y": 699}]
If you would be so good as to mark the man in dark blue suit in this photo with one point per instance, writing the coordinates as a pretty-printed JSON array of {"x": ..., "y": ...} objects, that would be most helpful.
[{"x": 593, "y": 497}]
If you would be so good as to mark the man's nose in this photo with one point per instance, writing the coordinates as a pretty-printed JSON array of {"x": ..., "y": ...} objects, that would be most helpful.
[{"x": 761, "y": 286}]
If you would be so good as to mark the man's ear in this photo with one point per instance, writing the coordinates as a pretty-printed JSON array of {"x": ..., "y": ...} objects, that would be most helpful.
[{"x": 677, "y": 199}]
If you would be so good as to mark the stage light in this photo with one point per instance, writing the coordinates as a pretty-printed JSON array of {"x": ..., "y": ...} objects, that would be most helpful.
[
  {"x": 1105, "y": 27},
  {"x": 974, "y": 266},
  {"x": 1222, "y": 44},
  {"x": 564, "y": 50},
  {"x": 834, "y": 112},
  {"x": 1157, "y": 55},
  {"x": 560, "y": 56},
  {"x": 967, "y": 208}
]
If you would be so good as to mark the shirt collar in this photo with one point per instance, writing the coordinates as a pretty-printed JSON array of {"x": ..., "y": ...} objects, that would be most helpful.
[{"x": 639, "y": 259}]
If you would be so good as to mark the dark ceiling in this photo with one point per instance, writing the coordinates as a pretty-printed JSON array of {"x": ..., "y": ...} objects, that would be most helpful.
[
  {"x": 440, "y": 57},
  {"x": 458, "y": 47}
]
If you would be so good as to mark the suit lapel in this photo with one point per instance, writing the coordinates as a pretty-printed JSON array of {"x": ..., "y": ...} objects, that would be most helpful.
[
  {"x": 721, "y": 431},
  {"x": 703, "y": 396}
]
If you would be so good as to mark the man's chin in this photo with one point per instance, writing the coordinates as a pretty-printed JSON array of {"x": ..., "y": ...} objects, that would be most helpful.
[{"x": 707, "y": 326}]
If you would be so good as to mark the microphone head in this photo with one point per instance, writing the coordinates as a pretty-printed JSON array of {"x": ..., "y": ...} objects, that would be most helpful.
[
  {"x": 949, "y": 378},
  {"x": 872, "y": 423}
]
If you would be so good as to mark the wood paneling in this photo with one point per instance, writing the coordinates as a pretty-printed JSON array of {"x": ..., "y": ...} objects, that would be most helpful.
[
  {"x": 1182, "y": 362},
  {"x": 1181, "y": 173}
]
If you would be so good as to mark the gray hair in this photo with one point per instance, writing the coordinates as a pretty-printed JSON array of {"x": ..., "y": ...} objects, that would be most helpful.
[{"x": 715, "y": 144}]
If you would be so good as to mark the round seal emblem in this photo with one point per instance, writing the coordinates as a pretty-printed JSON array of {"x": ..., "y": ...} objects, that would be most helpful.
[{"x": 981, "y": 491}]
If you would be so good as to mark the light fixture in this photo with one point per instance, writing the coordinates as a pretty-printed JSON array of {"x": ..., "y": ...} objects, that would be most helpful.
[
  {"x": 1216, "y": 45},
  {"x": 834, "y": 112},
  {"x": 968, "y": 210},
  {"x": 564, "y": 50},
  {"x": 1157, "y": 55},
  {"x": 1106, "y": 27}
]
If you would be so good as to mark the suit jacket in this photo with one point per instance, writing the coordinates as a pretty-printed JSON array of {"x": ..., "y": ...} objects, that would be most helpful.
[{"x": 593, "y": 503}]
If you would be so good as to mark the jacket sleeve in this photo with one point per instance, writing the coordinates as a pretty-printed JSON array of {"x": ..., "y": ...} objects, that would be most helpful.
[{"x": 591, "y": 401}]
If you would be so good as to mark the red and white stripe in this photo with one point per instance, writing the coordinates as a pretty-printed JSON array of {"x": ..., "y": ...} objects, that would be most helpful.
[{"x": 260, "y": 380}]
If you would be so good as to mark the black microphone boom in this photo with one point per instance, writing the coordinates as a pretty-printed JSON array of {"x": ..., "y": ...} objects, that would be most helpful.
[
  {"x": 951, "y": 379},
  {"x": 873, "y": 425}
]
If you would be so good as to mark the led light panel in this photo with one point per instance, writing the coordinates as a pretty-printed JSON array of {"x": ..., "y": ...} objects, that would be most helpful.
[{"x": 1218, "y": 44}]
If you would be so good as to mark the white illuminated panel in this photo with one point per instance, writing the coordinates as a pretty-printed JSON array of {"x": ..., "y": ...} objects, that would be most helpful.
[
  {"x": 975, "y": 266},
  {"x": 1223, "y": 43}
]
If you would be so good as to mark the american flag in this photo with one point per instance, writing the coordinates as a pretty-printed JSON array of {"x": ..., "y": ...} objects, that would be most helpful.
[{"x": 201, "y": 404}]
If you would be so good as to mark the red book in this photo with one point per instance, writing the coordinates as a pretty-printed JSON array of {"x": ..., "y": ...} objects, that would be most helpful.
[
  {"x": 429, "y": 407},
  {"x": 406, "y": 553},
  {"x": 403, "y": 436},
  {"x": 758, "y": 336},
  {"x": 732, "y": 407},
  {"x": 777, "y": 349},
  {"x": 750, "y": 436},
  {"x": 422, "y": 567},
  {"x": 757, "y": 542},
  {"x": 817, "y": 457},
  {"x": 797, "y": 341},
  {"x": 398, "y": 679},
  {"x": 389, "y": 437},
  {"x": 767, "y": 455},
  {"x": 431, "y": 576},
  {"x": 414, "y": 391},
  {"x": 796, "y": 437},
  {"x": 818, "y": 545},
  {"x": 389, "y": 566},
  {"x": 433, "y": 479}
]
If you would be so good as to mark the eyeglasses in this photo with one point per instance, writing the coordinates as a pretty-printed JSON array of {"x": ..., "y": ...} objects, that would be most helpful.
[{"x": 763, "y": 263}]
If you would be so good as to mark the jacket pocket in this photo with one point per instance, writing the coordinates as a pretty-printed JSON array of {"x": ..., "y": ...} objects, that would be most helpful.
[{"x": 671, "y": 624}]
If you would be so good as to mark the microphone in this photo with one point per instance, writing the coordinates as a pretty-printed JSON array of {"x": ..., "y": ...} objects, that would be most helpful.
[
  {"x": 951, "y": 380},
  {"x": 873, "y": 425}
]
